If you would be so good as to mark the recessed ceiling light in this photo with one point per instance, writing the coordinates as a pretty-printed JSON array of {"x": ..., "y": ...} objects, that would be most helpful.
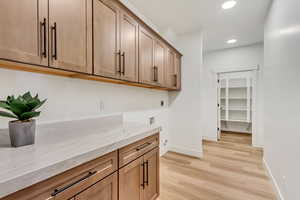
[
  {"x": 232, "y": 41},
  {"x": 228, "y": 4}
]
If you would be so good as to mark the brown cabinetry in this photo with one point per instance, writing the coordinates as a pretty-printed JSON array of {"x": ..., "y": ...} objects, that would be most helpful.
[
  {"x": 151, "y": 166},
  {"x": 70, "y": 33},
  {"x": 129, "y": 47},
  {"x": 107, "y": 55},
  {"x": 159, "y": 62},
  {"x": 115, "y": 42},
  {"x": 139, "y": 180},
  {"x": 173, "y": 70},
  {"x": 90, "y": 39},
  {"x": 106, "y": 189},
  {"x": 146, "y": 57},
  {"x": 137, "y": 177},
  {"x": 24, "y": 32}
]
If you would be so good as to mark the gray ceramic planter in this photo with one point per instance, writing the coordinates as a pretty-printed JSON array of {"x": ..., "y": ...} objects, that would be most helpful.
[{"x": 22, "y": 133}]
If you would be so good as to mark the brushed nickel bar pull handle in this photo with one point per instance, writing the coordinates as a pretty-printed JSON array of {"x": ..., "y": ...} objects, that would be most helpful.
[
  {"x": 57, "y": 191},
  {"x": 54, "y": 31},
  {"x": 123, "y": 55},
  {"x": 44, "y": 41}
]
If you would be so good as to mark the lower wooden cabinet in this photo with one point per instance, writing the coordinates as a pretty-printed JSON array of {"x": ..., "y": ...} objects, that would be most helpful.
[
  {"x": 101, "y": 179},
  {"x": 139, "y": 180},
  {"x": 131, "y": 180},
  {"x": 151, "y": 161},
  {"x": 107, "y": 189}
]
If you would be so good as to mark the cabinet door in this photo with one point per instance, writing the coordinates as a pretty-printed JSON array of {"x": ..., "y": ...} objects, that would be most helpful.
[
  {"x": 71, "y": 35},
  {"x": 129, "y": 47},
  {"x": 107, "y": 54},
  {"x": 106, "y": 189},
  {"x": 131, "y": 181},
  {"x": 178, "y": 71},
  {"x": 151, "y": 161},
  {"x": 23, "y": 32},
  {"x": 146, "y": 57},
  {"x": 159, "y": 62},
  {"x": 170, "y": 70}
]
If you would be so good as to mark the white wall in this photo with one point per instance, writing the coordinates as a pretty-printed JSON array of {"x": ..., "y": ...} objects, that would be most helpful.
[
  {"x": 184, "y": 112},
  {"x": 74, "y": 98},
  {"x": 237, "y": 58},
  {"x": 282, "y": 95}
]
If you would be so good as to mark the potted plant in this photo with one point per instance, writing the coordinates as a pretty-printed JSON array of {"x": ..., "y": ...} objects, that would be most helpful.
[{"x": 23, "y": 109}]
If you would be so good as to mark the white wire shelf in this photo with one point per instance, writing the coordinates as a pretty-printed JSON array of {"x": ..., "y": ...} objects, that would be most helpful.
[{"x": 236, "y": 120}]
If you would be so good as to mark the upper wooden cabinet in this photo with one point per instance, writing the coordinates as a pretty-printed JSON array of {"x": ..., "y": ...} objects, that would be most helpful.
[
  {"x": 159, "y": 62},
  {"x": 115, "y": 42},
  {"x": 24, "y": 32},
  {"x": 70, "y": 24},
  {"x": 89, "y": 39},
  {"x": 146, "y": 57},
  {"x": 107, "y": 54},
  {"x": 173, "y": 70},
  {"x": 129, "y": 47}
]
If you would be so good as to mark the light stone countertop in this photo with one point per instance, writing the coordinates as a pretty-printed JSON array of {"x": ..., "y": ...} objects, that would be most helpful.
[{"x": 64, "y": 145}]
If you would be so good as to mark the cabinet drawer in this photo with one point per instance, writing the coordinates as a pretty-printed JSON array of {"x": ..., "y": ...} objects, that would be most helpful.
[
  {"x": 137, "y": 149},
  {"x": 67, "y": 184}
]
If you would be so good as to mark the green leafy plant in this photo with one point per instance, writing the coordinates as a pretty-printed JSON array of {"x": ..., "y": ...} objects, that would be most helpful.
[{"x": 22, "y": 108}]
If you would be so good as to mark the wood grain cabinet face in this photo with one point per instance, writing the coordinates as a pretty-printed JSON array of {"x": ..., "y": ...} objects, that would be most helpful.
[
  {"x": 146, "y": 57},
  {"x": 107, "y": 54},
  {"x": 71, "y": 35},
  {"x": 178, "y": 71},
  {"x": 170, "y": 69},
  {"x": 129, "y": 47},
  {"x": 24, "y": 32},
  {"x": 159, "y": 62},
  {"x": 131, "y": 179},
  {"x": 151, "y": 161},
  {"x": 106, "y": 189}
]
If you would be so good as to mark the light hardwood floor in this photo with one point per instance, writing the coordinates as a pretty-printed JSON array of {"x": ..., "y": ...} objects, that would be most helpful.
[{"x": 230, "y": 170}]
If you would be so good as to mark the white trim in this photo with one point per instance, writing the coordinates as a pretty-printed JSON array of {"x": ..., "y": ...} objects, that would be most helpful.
[
  {"x": 274, "y": 183},
  {"x": 193, "y": 153},
  {"x": 214, "y": 139},
  {"x": 234, "y": 69}
]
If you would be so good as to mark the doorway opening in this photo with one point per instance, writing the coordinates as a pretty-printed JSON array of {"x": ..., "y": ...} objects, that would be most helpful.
[{"x": 235, "y": 106}]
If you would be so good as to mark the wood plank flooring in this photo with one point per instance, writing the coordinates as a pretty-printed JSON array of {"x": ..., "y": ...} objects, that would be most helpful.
[{"x": 230, "y": 170}]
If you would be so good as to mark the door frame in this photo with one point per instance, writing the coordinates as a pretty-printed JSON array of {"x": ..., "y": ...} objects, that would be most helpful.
[{"x": 254, "y": 71}]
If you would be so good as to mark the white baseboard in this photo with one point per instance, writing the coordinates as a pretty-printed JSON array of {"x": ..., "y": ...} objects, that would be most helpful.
[
  {"x": 214, "y": 139},
  {"x": 188, "y": 152},
  {"x": 274, "y": 183}
]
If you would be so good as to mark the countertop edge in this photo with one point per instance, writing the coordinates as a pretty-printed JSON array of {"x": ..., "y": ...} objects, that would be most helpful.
[{"x": 18, "y": 183}]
